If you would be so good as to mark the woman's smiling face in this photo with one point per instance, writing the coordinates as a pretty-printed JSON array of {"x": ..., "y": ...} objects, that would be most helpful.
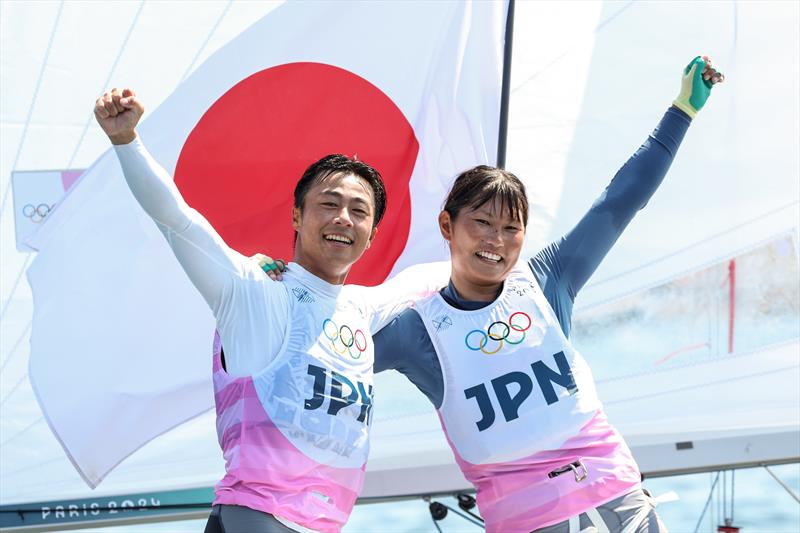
[{"x": 485, "y": 243}]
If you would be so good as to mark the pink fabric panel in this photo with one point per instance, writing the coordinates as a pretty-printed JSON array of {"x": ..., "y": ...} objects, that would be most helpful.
[
  {"x": 69, "y": 177},
  {"x": 518, "y": 495},
  {"x": 266, "y": 472}
]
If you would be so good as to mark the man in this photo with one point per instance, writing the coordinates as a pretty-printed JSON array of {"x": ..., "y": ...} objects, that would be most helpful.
[{"x": 293, "y": 386}]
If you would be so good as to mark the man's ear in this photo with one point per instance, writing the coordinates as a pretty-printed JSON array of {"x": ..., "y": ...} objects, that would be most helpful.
[
  {"x": 297, "y": 216},
  {"x": 371, "y": 236},
  {"x": 446, "y": 225}
]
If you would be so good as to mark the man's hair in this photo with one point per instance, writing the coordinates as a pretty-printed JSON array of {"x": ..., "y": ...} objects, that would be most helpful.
[
  {"x": 482, "y": 184},
  {"x": 341, "y": 164}
]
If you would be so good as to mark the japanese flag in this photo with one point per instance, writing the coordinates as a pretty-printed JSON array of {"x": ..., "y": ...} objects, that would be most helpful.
[{"x": 121, "y": 353}]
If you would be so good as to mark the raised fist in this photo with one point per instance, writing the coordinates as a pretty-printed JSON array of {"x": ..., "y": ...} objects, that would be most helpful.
[
  {"x": 118, "y": 113},
  {"x": 699, "y": 76}
]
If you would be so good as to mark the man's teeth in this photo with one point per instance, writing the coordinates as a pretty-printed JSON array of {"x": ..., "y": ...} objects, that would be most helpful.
[
  {"x": 339, "y": 238},
  {"x": 489, "y": 255}
]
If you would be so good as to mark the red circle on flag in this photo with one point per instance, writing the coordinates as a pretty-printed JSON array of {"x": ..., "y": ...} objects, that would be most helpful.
[{"x": 242, "y": 160}]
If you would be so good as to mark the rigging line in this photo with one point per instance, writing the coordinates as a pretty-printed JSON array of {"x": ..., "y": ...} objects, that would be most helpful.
[
  {"x": 16, "y": 284},
  {"x": 465, "y": 517},
  {"x": 708, "y": 501},
  {"x": 427, "y": 500},
  {"x": 786, "y": 487},
  {"x": 85, "y": 126},
  {"x": 733, "y": 492},
  {"x": 13, "y": 389},
  {"x": 20, "y": 432},
  {"x": 33, "y": 104},
  {"x": 597, "y": 29},
  {"x": 108, "y": 80},
  {"x": 695, "y": 244},
  {"x": 702, "y": 385},
  {"x": 16, "y": 345},
  {"x": 205, "y": 43},
  {"x": 39, "y": 464},
  {"x": 668, "y": 278},
  {"x": 752, "y": 353}
]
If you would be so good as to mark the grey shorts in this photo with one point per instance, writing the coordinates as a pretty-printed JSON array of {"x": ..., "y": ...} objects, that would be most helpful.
[
  {"x": 632, "y": 513},
  {"x": 237, "y": 519}
]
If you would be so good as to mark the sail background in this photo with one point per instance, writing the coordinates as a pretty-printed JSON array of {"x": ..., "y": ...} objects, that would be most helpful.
[{"x": 575, "y": 116}]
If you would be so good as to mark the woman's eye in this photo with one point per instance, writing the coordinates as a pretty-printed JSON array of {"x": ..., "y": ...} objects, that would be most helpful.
[
  {"x": 482, "y": 221},
  {"x": 512, "y": 228}
]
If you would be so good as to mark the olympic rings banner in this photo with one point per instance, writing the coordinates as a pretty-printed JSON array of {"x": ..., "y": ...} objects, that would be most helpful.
[{"x": 35, "y": 195}]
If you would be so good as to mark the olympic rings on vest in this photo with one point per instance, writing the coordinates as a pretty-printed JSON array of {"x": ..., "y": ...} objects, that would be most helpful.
[
  {"x": 36, "y": 213},
  {"x": 346, "y": 337},
  {"x": 500, "y": 332}
]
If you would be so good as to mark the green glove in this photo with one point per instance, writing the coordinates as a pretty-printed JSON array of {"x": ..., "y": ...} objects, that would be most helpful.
[
  {"x": 268, "y": 264},
  {"x": 694, "y": 89}
]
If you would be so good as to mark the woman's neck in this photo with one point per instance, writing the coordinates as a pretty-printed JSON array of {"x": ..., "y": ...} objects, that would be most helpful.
[{"x": 475, "y": 292}]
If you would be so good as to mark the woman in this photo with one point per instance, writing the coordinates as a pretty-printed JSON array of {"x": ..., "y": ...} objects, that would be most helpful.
[{"x": 492, "y": 351}]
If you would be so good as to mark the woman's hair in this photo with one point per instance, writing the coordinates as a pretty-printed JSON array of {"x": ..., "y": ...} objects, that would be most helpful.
[{"x": 481, "y": 184}]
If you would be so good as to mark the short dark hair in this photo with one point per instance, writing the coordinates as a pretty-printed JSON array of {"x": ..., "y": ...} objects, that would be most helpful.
[
  {"x": 481, "y": 184},
  {"x": 341, "y": 164}
]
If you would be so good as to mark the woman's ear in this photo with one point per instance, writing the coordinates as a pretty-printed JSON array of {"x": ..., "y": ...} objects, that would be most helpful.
[{"x": 446, "y": 225}]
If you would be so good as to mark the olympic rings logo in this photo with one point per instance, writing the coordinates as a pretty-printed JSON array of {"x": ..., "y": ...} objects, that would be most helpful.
[
  {"x": 500, "y": 332},
  {"x": 36, "y": 213},
  {"x": 344, "y": 337}
]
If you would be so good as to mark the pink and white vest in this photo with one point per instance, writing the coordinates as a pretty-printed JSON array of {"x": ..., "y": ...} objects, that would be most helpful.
[
  {"x": 519, "y": 403},
  {"x": 295, "y": 436}
]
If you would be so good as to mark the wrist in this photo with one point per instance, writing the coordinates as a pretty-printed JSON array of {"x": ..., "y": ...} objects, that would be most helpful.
[
  {"x": 685, "y": 108},
  {"x": 123, "y": 138}
]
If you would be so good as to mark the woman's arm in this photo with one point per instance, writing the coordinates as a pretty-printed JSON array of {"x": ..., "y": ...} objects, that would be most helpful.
[
  {"x": 564, "y": 267},
  {"x": 404, "y": 345}
]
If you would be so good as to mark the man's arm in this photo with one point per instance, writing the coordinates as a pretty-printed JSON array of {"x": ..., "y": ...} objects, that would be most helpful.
[
  {"x": 246, "y": 315},
  {"x": 210, "y": 264},
  {"x": 396, "y": 294}
]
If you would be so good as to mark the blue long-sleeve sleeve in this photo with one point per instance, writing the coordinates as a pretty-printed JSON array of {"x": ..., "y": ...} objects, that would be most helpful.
[
  {"x": 564, "y": 267},
  {"x": 561, "y": 269}
]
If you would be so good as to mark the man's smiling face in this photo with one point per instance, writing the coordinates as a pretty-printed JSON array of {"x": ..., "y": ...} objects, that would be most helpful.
[{"x": 334, "y": 226}]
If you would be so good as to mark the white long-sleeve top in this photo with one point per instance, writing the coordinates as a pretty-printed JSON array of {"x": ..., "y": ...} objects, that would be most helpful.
[{"x": 251, "y": 310}]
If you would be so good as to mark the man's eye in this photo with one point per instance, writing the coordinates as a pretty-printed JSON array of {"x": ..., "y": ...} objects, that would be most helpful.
[{"x": 328, "y": 204}]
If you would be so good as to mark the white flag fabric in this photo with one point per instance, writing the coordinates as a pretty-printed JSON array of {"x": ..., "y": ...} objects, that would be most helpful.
[{"x": 121, "y": 341}]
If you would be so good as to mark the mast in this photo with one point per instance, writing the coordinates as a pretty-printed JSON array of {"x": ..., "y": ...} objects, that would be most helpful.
[{"x": 505, "y": 91}]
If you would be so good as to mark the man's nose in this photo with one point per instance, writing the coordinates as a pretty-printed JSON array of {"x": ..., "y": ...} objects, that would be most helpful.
[{"x": 343, "y": 217}]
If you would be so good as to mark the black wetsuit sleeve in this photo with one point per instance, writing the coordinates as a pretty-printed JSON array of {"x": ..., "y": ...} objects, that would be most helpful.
[
  {"x": 404, "y": 345},
  {"x": 564, "y": 267}
]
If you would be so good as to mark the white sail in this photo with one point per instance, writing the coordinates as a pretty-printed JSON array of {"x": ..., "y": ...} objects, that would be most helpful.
[{"x": 589, "y": 82}]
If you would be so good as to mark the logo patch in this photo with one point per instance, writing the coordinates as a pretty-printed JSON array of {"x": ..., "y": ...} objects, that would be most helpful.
[
  {"x": 499, "y": 332},
  {"x": 442, "y": 322},
  {"x": 344, "y": 339},
  {"x": 302, "y": 295}
]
